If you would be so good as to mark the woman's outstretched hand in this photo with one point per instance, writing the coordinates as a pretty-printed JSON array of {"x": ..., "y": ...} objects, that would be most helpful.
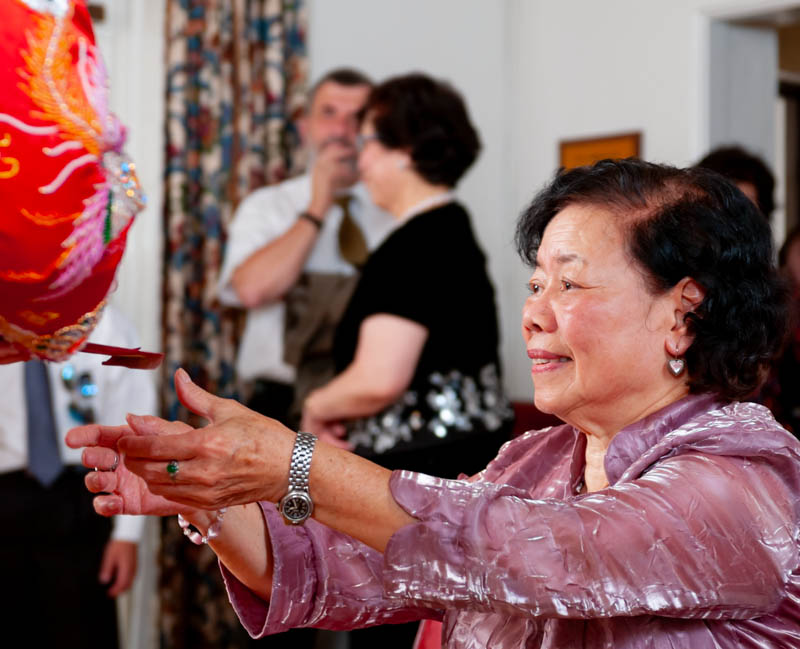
[
  {"x": 122, "y": 492},
  {"x": 240, "y": 457}
]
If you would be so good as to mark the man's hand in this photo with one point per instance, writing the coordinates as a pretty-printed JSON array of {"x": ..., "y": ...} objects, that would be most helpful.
[
  {"x": 334, "y": 169},
  {"x": 118, "y": 567}
]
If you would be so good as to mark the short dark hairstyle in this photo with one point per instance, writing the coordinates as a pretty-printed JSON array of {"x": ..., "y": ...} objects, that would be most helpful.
[
  {"x": 429, "y": 119},
  {"x": 739, "y": 165},
  {"x": 687, "y": 223},
  {"x": 342, "y": 76}
]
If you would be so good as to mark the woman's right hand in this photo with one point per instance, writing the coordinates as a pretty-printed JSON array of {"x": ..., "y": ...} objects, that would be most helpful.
[
  {"x": 240, "y": 457},
  {"x": 123, "y": 492}
]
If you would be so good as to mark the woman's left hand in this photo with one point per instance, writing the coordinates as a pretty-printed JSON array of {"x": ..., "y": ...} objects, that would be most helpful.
[
  {"x": 241, "y": 457},
  {"x": 330, "y": 432}
]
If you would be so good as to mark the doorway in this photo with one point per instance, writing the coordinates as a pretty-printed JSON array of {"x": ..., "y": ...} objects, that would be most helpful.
[{"x": 753, "y": 95}]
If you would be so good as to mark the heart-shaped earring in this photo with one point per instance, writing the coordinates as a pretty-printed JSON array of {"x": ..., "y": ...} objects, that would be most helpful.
[{"x": 676, "y": 366}]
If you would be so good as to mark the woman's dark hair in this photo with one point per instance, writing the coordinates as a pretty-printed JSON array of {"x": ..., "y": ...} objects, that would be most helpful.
[
  {"x": 687, "y": 223},
  {"x": 738, "y": 165},
  {"x": 429, "y": 119}
]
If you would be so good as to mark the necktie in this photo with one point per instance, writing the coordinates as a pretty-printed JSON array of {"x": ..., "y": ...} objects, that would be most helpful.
[
  {"x": 352, "y": 245},
  {"x": 44, "y": 461}
]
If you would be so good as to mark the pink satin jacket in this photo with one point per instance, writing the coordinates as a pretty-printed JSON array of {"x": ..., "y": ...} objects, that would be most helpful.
[{"x": 693, "y": 545}]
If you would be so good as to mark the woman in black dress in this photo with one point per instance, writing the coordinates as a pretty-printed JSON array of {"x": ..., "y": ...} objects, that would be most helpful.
[{"x": 418, "y": 384}]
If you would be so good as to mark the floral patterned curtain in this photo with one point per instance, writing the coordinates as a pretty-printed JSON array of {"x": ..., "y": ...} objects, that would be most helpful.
[
  {"x": 236, "y": 74},
  {"x": 236, "y": 77}
]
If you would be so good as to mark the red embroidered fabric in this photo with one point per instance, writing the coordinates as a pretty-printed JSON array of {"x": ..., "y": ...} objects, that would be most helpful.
[{"x": 67, "y": 191}]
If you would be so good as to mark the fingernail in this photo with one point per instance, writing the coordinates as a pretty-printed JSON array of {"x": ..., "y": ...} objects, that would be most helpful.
[
  {"x": 182, "y": 376},
  {"x": 134, "y": 420}
]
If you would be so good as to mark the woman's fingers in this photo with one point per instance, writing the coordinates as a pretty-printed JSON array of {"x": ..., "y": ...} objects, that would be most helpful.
[
  {"x": 97, "y": 457},
  {"x": 166, "y": 472},
  {"x": 101, "y": 481},
  {"x": 148, "y": 425},
  {"x": 96, "y": 435},
  {"x": 200, "y": 402},
  {"x": 338, "y": 429},
  {"x": 107, "y": 505},
  {"x": 166, "y": 447}
]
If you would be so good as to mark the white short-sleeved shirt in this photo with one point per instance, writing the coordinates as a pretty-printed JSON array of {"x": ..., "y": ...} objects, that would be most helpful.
[
  {"x": 119, "y": 390},
  {"x": 261, "y": 217}
]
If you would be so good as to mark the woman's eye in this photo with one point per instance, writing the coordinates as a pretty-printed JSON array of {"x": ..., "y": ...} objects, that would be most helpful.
[
  {"x": 566, "y": 284},
  {"x": 534, "y": 289}
]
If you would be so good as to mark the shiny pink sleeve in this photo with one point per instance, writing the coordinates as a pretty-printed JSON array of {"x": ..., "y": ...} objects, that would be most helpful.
[
  {"x": 696, "y": 536},
  {"x": 322, "y": 578}
]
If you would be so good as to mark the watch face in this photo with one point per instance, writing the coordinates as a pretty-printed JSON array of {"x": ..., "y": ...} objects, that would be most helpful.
[{"x": 296, "y": 507}]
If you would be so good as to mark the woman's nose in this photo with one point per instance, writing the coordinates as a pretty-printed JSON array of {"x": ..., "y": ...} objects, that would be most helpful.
[{"x": 537, "y": 315}]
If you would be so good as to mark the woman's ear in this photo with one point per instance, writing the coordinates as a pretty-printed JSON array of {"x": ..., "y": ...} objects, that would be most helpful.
[
  {"x": 688, "y": 294},
  {"x": 402, "y": 159},
  {"x": 692, "y": 294}
]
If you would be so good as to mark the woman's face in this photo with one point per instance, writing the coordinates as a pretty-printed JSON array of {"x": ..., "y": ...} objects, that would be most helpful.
[
  {"x": 381, "y": 168},
  {"x": 595, "y": 335}
]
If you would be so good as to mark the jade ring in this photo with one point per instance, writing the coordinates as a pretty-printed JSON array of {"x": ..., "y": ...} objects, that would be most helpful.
[{"x": 172, "y": 468}]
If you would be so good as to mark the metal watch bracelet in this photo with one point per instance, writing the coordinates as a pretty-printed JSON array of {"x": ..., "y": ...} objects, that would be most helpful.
[{"x": 296, "y": 506}]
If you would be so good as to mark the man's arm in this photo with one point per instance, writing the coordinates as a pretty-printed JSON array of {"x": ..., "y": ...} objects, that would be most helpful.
[{"x": 268, "y": 274}]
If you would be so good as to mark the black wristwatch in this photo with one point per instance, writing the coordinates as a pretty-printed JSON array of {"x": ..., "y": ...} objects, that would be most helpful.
[{"x": 296, "y": 506}]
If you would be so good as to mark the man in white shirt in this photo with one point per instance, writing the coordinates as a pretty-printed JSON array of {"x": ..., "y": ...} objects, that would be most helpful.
[
  {"x": 287, "y": 244},
  {"x": 64, "y": 562}
]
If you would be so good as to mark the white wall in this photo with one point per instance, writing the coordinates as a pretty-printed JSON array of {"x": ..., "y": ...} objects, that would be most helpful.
[{"x": 131, "y": 39}]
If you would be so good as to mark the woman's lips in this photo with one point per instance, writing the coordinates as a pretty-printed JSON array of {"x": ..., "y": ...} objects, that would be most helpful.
[{"x": 543, "y": 360}]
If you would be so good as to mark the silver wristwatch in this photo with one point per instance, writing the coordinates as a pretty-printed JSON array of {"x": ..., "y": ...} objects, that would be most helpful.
[{"x": 296, "y": 506}]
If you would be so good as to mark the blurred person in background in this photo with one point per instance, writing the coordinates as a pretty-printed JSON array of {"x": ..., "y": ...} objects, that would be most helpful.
[
  {"x": 749, "y": 172},
  {"x": 412, "y": 390},
  {"x": 294, "y": 250},
  {"x": 66, "y": 563}
]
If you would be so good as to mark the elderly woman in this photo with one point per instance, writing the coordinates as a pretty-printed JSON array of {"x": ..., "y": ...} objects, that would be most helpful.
[
  {"x": 406, "y": 394},
  {"x": 664, "y": 513}
]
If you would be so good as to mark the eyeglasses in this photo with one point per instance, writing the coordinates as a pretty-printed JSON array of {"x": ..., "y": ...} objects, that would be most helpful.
[
  {"x": 82, "y": 390},
  {"x": 363, "y": 140}
]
